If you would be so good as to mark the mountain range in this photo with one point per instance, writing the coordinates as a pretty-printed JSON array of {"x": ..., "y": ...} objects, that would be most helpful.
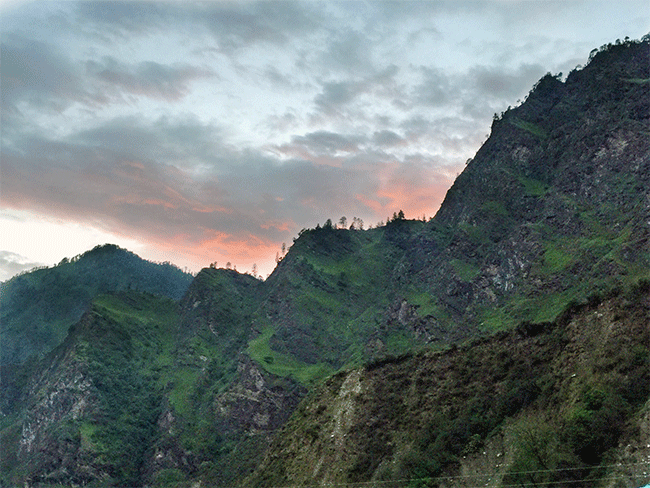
[{"x": 504, "y": 342}]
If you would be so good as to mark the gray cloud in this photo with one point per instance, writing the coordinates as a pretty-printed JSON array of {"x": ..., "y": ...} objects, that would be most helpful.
[
  {"x": 436, "y": 89},
  {"x": 148, "y": 79},
  {"x": 123, "y": 19},
  {"x": 498, "y": 83},
  {"x": 12, "y": 263},
  {"x": 349, "y": 51},
  {"x": 324, "y": 142},
  {"x": 238, "y": 25},
  {"x": 39, "y": 74},
  {"x": 337, "y": 96},
  {"x": 387, "y": 138},
  {"x": 183, "y": 142}
]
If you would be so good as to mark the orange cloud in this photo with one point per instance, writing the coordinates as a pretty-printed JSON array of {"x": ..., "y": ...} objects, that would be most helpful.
[
  {"x": 210, "y": 209},
  {"x": 416, "y": 192},
  {"x": 220, "y": 247},
  {"x": 281, "y": 226},
  {"x": 163, "y": 203}
]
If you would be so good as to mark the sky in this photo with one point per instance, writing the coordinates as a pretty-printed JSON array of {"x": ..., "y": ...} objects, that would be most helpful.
[{"x": 215, "y": 131}]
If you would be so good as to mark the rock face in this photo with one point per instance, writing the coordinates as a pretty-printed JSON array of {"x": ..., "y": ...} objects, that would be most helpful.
[
  {"x": 256, "y": 402},
  {"x": 58, "y": 454}
]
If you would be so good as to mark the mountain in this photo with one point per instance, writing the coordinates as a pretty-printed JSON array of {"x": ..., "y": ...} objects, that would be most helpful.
[
  {"x": 515, "y": 323},
  {"x": 553, "y": 207},
  {"x": 90, "y": 413},
  {"x": 37, "y": 308},
  {"x": 550, "y": 216}
]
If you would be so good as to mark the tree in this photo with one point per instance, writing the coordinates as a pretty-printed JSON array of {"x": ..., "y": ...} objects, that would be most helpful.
[
  {"x": 254, "y": 270},
  {"x": 328, "y": 224},
  {"x": 400, "y": 215},
  {"x": 343, "y": 221},
  {"x": 538, "y": 454}
]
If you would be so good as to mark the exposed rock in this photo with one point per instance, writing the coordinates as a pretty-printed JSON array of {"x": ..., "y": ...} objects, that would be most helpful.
[{"x": 256, "y": 401}]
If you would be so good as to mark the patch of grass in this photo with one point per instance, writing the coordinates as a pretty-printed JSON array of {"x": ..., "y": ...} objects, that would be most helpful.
[
  {"x": 529, "y": 127},
  {"x": 533, "y": 187},
  {"x": 399, "y": 343},
  {"x": 425, "y": 303},
  {"x": 466, "y": 271},
  {"x": 547, "y": 308},
  {"x": 557, "y": 259},
  {"x": 184, "y": 381},
  {"x": 495, "y": 319},
  {"x": 283, "y": 365},
  {"x": 494, "y": 207},
  {"x": 475, "y": 234},
  {"x": 172, "y": 477},
  {"x": 86, "y": 432}
]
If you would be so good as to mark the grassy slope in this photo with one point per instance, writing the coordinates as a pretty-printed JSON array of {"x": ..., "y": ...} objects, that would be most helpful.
[{"x": 327, "y": 300}]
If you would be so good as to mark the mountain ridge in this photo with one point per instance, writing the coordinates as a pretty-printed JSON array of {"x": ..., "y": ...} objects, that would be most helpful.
[{"x": 549, "y": 219}]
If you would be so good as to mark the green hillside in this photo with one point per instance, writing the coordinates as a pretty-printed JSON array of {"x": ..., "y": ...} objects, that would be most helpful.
[
  {"x": 91, "y": 413},
  {"x": 37, "y": 308},
  {"x": 508, "y": 335}
]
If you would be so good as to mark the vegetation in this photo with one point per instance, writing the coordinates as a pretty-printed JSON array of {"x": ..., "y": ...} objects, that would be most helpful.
[
  {"x": 560, "y": 409},
  {"x": 513, "y": 320},
  {"x": 37, "y": 308}
]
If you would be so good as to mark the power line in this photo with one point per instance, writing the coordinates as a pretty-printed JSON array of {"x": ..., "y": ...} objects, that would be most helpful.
[{"x": 470, "y": 476}]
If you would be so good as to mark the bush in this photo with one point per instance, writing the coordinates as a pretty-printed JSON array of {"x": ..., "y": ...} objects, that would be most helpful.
[{"x": 595, "y": 426}]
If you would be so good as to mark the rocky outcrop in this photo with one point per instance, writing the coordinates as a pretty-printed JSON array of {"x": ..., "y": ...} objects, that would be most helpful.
[
  {"x": 257, "y": 401},
  {"x": 51, "y": 443}
]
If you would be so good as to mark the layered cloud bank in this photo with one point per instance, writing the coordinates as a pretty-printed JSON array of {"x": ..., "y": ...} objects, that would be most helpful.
[{"x": 216, "y": 131}]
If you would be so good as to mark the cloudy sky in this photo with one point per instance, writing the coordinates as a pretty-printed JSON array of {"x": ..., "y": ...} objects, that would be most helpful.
[{"x": 216, "y": 131}]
